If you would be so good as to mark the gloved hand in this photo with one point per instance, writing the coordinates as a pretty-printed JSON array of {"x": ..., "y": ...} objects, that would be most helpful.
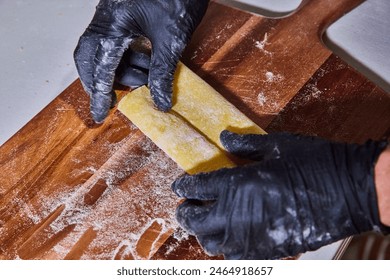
[
  {"x": 168, "y": 25},
  {"x": 301, "y": 194}
]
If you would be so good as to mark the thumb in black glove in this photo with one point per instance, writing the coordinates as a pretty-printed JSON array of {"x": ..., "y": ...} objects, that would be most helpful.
[
  {"x": 167, "y": 24},
  {"x": 302, "y": 194}
]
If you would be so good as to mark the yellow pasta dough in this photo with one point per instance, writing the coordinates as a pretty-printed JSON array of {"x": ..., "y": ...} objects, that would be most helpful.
[{"x": 189, "y": 133}]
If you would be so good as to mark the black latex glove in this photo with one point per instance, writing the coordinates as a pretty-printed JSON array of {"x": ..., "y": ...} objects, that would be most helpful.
[
  {"x": 168, "y": 24},
  {"x": 302, "y": 193}
]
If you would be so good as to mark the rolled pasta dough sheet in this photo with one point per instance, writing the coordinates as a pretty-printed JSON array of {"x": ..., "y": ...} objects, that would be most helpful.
[{"x": 189, "y": 133}]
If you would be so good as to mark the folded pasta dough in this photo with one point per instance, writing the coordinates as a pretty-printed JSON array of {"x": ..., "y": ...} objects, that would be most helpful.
[
  {"x": 189, "y": 133},
  {"x": 207, "y": 110}
]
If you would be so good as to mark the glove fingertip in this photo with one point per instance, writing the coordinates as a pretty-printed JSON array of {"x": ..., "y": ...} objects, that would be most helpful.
[
  {"x": 202, "y": 186},
  {"x": 232, "y": 142},
  {"x": 184, "y": 214},
  {"x": 211, "y": 244},
  {"x": 249, "y": 146},
  {"x": 177, "y": 187},
  {"x": 228, "y": 138},
  {"x": 99, "y": 118},
  {"x": 100, "y": 106},
  {"x": 164, "y": 105},
  {"x": 162, "y": 98},
  {"x": 162, "y": 69}
]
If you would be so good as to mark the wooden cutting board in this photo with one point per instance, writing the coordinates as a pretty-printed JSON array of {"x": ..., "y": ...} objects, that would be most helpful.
[{"x": 70, "y": 189}]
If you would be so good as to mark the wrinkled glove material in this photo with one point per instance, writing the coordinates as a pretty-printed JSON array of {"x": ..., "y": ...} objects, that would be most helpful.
[
  {"x": 105, "y": 45},
  {"x": 301, "y": 194}
]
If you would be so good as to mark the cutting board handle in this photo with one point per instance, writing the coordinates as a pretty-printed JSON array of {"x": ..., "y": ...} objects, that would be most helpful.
[{"x": 326, "y": 12}]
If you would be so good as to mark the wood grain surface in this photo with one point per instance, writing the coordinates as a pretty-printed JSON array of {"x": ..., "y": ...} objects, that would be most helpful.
[{"x": 70, "y": 189}]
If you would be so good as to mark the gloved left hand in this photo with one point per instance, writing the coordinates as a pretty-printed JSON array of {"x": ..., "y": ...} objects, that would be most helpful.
[{"x": 168, "y": 24}]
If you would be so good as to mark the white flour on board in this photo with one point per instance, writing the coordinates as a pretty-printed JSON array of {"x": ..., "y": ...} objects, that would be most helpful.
[
  {"x": 271, "y": 77},
  {"x": 262, "y": 44},
  {"x": 122, "y": 213}
]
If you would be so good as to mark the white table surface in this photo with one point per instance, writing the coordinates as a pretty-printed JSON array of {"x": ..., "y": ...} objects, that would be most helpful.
[
  {"x": 36, "y": 55},
  {"x": 38, "y": 38}
]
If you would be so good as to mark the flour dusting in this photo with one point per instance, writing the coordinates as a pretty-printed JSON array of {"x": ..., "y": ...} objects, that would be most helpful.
[
  {"x": 262, "y": 44},
  {"x": 261, "y": 98},
  {"x": 269, "y": 102},
  {"x": 271, "y": 77},
  {"x": 138, "y": 178}
]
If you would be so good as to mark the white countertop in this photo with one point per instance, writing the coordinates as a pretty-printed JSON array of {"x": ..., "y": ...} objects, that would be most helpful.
[
  {"x": 36, "y": 53},
  {"x": 39, "y": 36}
]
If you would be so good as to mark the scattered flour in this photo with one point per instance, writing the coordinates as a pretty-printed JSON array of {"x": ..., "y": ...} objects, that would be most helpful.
[
  {"x": 262, "y": 44},
  {"x": 271, "y": 77},
  {"x": 270, "y": 106},
  {"x": 261, "y": 98},
  {"x": 314, "y": 91},
  {"x": 138, "y": 193}
]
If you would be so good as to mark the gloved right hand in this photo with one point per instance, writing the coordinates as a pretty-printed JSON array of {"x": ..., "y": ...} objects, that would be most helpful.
[
  {"x": 302, "y": 193},
  {"x": 168, "y": 24}
]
